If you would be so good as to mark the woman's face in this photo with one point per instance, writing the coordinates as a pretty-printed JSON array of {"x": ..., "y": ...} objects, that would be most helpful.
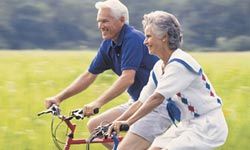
[{"x": 155, "y": 45}]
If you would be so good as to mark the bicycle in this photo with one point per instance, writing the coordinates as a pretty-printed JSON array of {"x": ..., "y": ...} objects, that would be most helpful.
[{"x": 99, "y": 135}]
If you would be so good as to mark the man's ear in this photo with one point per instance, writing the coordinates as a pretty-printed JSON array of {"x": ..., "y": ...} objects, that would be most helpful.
[{"x": 122, "y": 19}]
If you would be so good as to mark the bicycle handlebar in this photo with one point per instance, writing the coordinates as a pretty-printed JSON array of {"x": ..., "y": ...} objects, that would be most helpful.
[
  {"x": 79, "y": 114},
  {"x": 124, "y": 127},
  {"x": 101, "y": 131},
  {"x": 55, "y": 110}
]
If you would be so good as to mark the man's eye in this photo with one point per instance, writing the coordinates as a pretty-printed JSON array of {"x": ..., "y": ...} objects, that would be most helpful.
[{"x": 102, "y": 21}]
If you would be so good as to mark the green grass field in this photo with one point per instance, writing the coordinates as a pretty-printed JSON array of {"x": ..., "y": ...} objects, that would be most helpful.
[{"x": 28, "y": 77}]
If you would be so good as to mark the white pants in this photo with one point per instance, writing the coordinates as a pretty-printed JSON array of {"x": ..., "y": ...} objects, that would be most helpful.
[
  {"x": 203, "y": 133},
  {"x": 152, "y": 125}
]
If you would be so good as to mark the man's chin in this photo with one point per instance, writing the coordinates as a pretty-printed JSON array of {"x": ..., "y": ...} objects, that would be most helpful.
[{"x": 105, "y": 37}]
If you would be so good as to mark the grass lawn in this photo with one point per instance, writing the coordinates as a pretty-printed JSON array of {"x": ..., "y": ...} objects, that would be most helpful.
[{"x": 28, "y": 77}]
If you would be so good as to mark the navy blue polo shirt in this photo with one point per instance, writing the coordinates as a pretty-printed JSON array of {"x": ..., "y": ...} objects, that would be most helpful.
[{"x": 128, "y": 52}]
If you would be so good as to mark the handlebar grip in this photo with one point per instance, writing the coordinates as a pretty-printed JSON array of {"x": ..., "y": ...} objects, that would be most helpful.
[
  {"x": 96, "y": 110},
  {"x": 124, "y": 127}
]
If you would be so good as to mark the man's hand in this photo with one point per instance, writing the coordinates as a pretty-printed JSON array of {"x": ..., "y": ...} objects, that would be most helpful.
[
  {"x": 89, "y": 108},
  {"x": 51, "y": 100}
]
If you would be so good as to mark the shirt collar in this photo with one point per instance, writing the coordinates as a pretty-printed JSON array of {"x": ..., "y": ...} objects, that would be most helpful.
[{"x": 120, "y": 38}]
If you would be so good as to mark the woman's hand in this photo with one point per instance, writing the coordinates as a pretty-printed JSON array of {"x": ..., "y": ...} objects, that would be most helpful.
[{"x": 116, "y": 127}]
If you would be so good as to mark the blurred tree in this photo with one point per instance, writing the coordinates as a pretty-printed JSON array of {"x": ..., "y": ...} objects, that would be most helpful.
[
  {"x": 68, "y": 24},
  {"x": 239, "y": 43}
]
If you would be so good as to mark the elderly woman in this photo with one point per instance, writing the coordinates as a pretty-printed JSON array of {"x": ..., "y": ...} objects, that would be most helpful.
[{"x": 178, "y": 80}]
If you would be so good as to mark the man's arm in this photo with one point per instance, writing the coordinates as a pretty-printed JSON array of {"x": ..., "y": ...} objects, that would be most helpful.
[
  {"x": 80, "y": 84},
  {"x": 118, "y": 87}
]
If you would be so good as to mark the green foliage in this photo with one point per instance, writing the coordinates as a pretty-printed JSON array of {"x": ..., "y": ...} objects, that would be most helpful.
[
  {"x": 64, "y": 24},
  {"x": 239, "y": 43},
  {"x": 27, "y": 77}
]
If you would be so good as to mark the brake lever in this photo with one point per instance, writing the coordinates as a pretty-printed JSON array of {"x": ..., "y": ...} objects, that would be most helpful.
[
  {"x": 78, "y": 114},
  {"x": 100, "y": 132},
  {"x": 54, "y": 110}
]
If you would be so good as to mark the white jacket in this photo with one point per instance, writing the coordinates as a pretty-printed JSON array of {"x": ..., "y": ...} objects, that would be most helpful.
[{"x": 185, "y": 83}]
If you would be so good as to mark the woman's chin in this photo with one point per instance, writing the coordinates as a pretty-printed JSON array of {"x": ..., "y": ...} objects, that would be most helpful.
[{"x": 151, "y": 52}]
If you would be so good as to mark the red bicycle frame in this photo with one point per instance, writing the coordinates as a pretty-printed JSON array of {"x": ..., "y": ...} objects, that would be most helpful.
[
  {"x": 71, "y": 141},
  {"x": 78, "y": 114}
]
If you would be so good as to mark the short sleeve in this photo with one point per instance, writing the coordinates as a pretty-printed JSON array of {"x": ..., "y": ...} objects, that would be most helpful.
[
  {"x": 100, "y": 62},
  {"x": 132, "y": 54},
  {"x": 176, "y": 78},
  {"x": 148, "y": 89}
]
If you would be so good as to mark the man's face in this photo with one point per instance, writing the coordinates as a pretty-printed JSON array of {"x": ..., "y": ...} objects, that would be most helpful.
[{"x": 109, "y": 25}]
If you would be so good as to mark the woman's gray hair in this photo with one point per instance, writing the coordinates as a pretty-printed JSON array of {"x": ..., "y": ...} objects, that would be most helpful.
[
  {"x": 117, "y": 8},
  {"x": 164, "y": 23}
]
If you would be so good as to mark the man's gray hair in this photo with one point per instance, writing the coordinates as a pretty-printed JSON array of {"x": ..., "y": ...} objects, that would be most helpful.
[
  {"x": 117, "y": 8},
  {"x": 164, "y": 23}
]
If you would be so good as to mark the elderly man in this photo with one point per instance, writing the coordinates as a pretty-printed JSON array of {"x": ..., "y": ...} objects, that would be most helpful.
[{"x": 122, "y": 50}]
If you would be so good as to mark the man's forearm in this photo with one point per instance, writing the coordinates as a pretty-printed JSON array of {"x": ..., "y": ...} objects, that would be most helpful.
[
  {"x": 80, "y": 84},
  {"x": 117, "y": 89}
]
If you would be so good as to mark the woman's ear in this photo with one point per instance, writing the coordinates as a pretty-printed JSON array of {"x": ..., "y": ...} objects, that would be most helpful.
[{"x": 164, "y": 38}]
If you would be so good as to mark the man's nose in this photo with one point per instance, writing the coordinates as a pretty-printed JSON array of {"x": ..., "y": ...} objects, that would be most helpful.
[
  {"x": 145, "y": 42},
  {"x": 100, "y": 25}
]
